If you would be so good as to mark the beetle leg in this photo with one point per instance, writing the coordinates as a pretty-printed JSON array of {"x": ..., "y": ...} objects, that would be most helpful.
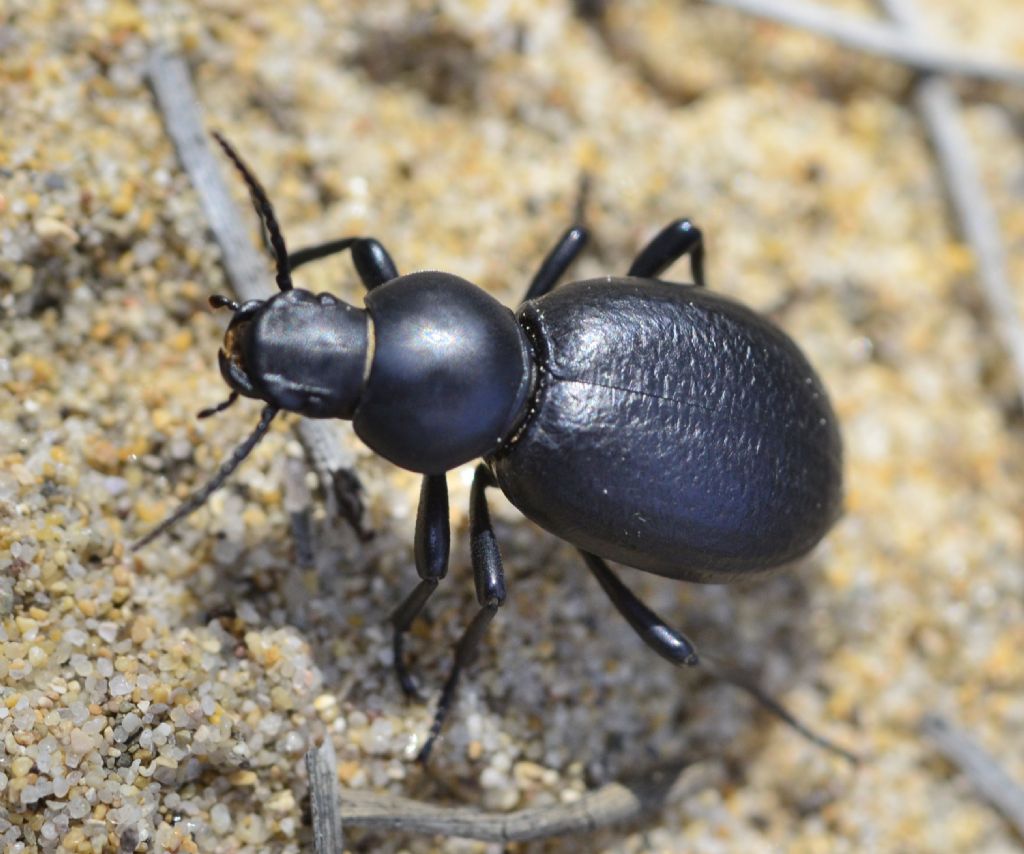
[
  {"x": 433, "y": 539},
  {"x": 373, "y": 263},
  {"x": 567, "y": 250},
  {"x": 675, "y": 240},
  {"x": 321, "y": 250},
  {"x": 557, "y": 261},
  {"x": 489, "y": 578},
  {"x": 670, "y": 644},
  {"x": 674, "y": 647}
]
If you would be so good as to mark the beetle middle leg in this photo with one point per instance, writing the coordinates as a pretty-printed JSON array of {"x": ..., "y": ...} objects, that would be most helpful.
[
  {"x": 431, "y": 549},
  {"x": 489, "y": 578},
  {"x": 557, "y": 261},
  {"x": 675, "y": 240},
  {"x": 565, "y": 251}
]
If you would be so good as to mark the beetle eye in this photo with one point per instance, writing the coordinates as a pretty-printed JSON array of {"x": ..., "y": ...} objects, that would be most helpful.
[{"x": 233, "y": 338}]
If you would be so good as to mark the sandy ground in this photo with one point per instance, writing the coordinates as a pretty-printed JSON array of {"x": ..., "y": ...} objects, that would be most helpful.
[{"x": 165, "y": 699}]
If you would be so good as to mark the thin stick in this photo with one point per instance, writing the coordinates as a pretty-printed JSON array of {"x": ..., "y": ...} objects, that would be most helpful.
[
  {"x": 985, "y": 774},
  {"x": 876, "y": 38},
  {"x": 246, "y": 269},
  {"x": 940, "y": 110},
  {"x": 325, "y": 798},
  {"x": 613, "y": 803},
  {"x": 298, "y": 506}
]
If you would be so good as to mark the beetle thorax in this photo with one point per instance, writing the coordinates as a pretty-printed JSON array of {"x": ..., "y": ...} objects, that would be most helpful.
[{"x": 450, "y": 373}]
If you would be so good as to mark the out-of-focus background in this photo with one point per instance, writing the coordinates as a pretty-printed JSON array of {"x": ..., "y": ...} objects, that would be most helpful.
[{"x": 163, "y": 701}]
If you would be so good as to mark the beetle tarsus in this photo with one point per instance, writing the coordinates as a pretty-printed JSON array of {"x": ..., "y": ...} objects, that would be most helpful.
[
  {"x": 674, "y": 647},
  {"x": 401, "y": 619},
  {"x": 220, "y": 407},
  {"x": 748, "y": 686},
  {"x": 465, "y": 652},
  {"x": 221, "y": 301}
]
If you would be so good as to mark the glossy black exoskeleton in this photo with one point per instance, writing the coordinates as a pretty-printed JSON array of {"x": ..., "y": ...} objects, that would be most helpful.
[{"x": 657, "y": 425}]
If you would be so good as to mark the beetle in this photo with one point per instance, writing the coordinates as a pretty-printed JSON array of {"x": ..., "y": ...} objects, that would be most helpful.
[{"x": 658, "y": 425}]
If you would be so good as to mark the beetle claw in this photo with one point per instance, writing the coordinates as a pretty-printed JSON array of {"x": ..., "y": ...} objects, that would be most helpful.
[{"x": 406, "y": 681}]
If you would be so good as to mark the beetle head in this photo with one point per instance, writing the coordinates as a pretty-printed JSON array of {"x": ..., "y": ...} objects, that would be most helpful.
[
  {"x": 297, "y": 351},
  {"x": 262, "y": 333}
]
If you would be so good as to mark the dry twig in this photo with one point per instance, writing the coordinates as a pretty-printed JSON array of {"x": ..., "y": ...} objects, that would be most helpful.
[
  {"x": 325, "y": 798},
  {"x": 940, "y": 110},
  {"x": 612, "y": 803},
  {"x": 980, "y": 767},
  {"x": 876, "y": 38}
]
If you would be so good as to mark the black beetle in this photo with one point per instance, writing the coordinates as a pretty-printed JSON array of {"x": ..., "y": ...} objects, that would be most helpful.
[{"x": 654, "y": 424}]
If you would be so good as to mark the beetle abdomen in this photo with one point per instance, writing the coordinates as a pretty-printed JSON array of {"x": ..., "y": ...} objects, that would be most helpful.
[{"x": 673, "y": 430}]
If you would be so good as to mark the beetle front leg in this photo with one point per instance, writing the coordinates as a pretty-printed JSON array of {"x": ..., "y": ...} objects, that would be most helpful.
[
  {"x": 675, "y": 240},
  {"x": 489, "y": 578},
  {"x": 431, "y": 548},
  {"x": 371, "y": 259},
  {"x": 670, "y": 644}
]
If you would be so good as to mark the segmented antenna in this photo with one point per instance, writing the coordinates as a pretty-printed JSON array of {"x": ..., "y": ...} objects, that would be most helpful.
[
  {"x": 198, "y": 498},
  {"x": 265, "y": 211},
  {"x": 220, "y": 407}
]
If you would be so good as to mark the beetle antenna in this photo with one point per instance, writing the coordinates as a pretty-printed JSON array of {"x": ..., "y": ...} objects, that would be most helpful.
[
  {"x": 749, "y": 687},
  {"x": 261, "y": 202},
  {"x": 198, "y": 498},
  {"x": 220, "y": 407}
]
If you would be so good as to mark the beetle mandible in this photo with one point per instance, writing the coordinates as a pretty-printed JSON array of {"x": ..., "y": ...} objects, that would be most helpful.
[{"x": 654, "y": 424}]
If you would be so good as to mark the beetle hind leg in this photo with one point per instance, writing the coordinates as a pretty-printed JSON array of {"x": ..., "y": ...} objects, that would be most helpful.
[
  {"x": 670, "y": 644},
  {"x": 489, "y": 578},
  {"x": 675, "y": 240},
  {"x": 676, "y": 648}
]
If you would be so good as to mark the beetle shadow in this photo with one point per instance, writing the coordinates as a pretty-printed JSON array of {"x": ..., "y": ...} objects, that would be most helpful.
[
  {"x": 560, "y": 675},
  {"x": 623, "y": 704}
]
